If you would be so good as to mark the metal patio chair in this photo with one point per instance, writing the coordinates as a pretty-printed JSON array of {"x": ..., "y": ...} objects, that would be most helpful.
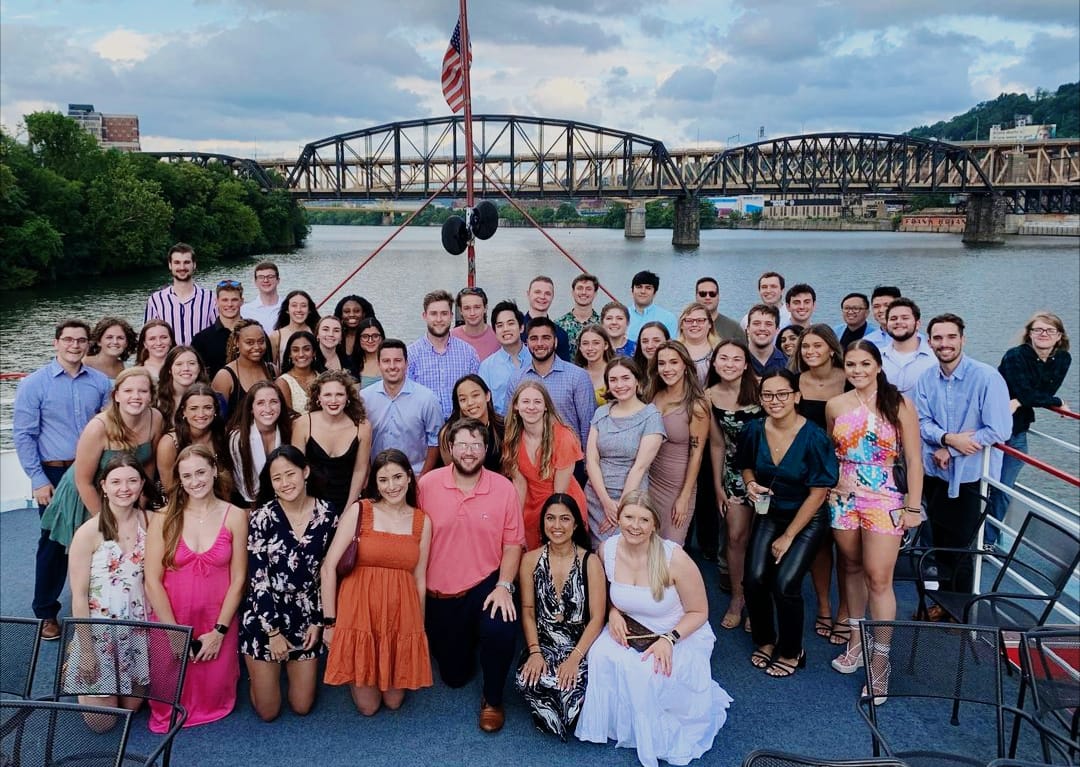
[
  {"x": 1050, "y": 668},
  {"x": 20, "y": 643},
  {"x": 768, "y": 758},
  {"x": 49, "y": 734}
]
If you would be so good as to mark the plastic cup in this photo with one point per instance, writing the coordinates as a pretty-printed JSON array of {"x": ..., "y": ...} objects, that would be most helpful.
[{"x": 761, "y": 505}]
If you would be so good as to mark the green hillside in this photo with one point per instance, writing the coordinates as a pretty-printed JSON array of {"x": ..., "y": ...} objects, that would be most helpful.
[{"x": 1062, "y": 107}]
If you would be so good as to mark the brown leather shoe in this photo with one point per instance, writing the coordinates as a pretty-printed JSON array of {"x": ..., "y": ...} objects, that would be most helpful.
[
  {"x": 492, "y": 718},
  {"x": 937, "y": 614},
  {"x": 50, "y": 629}
]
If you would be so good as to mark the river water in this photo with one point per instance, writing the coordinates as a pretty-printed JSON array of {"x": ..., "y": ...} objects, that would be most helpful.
[{"x": 995, "y": 289}]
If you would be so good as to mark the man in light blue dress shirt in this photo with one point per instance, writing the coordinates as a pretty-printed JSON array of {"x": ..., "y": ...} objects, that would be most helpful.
[
  {"x": 403, "y": 413},
  {"x": 500, "y": 367},
  {"x": 52, "y": 407},
  {"x": 643, "y": 289},
  {"x": 963, "y": 407},
  {"x": 436, "y": 359}
]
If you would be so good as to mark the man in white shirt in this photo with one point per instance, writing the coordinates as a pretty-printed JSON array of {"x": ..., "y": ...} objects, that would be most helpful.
[
  {"x": 909, "y": 355},
  {"x": 264, "y": 308}
]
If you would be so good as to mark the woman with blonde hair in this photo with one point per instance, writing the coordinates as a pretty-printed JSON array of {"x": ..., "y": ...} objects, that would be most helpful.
[
  {"x": 128, "y": 425},
  {"x": 539, "y": 454},
  {"x": 335, "y": 435},
  {"x": 675, "y": 391},
  {"x": 195, "y": 573},
  {"x": 650, "y": 677},
  {"x": 697, "y": 334}
]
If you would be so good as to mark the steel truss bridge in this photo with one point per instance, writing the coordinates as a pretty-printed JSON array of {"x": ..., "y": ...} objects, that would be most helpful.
[{"x": 539, "y": 158}]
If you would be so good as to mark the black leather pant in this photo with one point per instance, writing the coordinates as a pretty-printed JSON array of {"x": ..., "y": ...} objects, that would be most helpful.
[{"x": 776, "y": 588}]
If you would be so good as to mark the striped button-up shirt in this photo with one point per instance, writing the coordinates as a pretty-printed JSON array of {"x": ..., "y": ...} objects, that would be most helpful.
[
  {"x": 973, "y": 399},
  {"x": 439, "y": 371},
  {"x": 571, "y": 390},
  {"x": 185, "y": 317}
]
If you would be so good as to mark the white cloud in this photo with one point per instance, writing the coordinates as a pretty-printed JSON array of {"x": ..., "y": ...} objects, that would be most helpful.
[{"x": 123, "y": 46}]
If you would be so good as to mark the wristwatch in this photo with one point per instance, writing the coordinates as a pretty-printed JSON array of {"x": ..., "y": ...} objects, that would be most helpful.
[
  {"x": 221, "y": 628},
  {"x": 508, "y": 585}
]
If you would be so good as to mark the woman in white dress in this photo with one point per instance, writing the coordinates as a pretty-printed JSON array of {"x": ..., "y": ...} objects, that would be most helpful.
[{"x": 660, "y": 700}]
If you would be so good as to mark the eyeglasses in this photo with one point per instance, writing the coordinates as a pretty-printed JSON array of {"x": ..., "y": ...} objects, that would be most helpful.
[
  {"x": 779, "y": 396},
  {"x": 265, "y": 277},
  {"x": 708, "y": 293},
  {"x": 370, "y": 337},
  {"x": 469, "y": 447},
  {"x": 854, "y": 309},
  {"x": 69, "y": 341},
  {"x": 695, "y": 320},
  {"x": 1045, "y": 331},
  {"x": 229, "y": 284}
]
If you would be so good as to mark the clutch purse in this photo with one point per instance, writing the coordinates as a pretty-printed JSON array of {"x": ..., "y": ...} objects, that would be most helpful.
[
  {"x": 639, "y": 637},
  {"x": 347, "y": 563}
]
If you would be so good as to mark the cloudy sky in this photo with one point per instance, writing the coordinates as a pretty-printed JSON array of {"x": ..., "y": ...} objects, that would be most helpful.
[{"x": 262, "y": 77}]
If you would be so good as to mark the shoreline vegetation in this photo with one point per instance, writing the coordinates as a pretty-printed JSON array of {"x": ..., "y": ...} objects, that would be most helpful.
[{"x": 69, "y": 209}]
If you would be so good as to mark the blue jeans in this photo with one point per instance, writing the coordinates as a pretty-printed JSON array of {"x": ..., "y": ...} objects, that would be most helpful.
[{"x": 998, "y": 502}]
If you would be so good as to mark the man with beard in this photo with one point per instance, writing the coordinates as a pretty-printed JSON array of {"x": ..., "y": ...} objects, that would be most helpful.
[
  {"x": 540, "y": 295},
  {"x": 187, "y": 307},
  {"x": 963, "y": 407},
  {"x": 437, "y": 360},
  {"x": 880, "y": 300},
  {"x": 403, "y": 414},
  {"x": 569, "y": 386},
  {"x": 52, "y": 407},
  {"x": 909, "y": 355},
  {"x": 761, "y": 330},
  {"x": 477, "y": 534}
]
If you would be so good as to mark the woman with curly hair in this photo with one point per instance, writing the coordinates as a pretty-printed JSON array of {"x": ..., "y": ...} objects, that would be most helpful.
[
  {"x": 246, "y": 365},
  {"x": 335, "y": 435},
  {"x": 351, "y": 310},
  {"x": 112, "y": 341}
]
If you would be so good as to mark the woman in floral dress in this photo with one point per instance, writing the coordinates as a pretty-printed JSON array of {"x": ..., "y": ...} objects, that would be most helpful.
[{"x": 281, "y": 618}]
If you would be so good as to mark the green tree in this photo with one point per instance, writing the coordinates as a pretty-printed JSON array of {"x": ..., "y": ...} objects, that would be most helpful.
[
  {"x": 62, "y": 146},
  {"x": 129, "y": 218},
  {"x": 615, "y": 218},
  {"x": 566, "y": 212},
  {"x": 707, "y": 214},
  {"x": 659, "y": 215}
]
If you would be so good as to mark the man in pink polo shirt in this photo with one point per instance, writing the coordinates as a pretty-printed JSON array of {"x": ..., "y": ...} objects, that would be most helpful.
[{"x": 477, "y": 534}]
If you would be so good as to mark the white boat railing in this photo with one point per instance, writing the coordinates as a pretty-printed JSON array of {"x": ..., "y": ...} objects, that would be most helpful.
[{"x": 1034, "y": 502}]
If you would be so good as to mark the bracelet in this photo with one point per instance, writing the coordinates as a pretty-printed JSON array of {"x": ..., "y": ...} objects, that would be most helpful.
[
  {"x": 911, "y": 510},
  {"x": 534, "y": 647},
  {"x": 579, "y": 652},
  {"x": 669, "y": 639},
  {"x": 329, "y": 621},
  {"x": 275, "y": 633},
  {"x": 536, "y": 652}
]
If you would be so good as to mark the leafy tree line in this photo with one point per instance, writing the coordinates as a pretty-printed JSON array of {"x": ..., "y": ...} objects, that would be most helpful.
[
  {"x": 1061, "y": 108},
  {"x": 70, "y": 209},
  {"x": 659, "y": 214}
]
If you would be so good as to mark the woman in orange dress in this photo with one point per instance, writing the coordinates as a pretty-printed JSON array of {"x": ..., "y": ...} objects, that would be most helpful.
[
  {"x": 373, "y": 622},
  {"x": 539, "y": 453}
]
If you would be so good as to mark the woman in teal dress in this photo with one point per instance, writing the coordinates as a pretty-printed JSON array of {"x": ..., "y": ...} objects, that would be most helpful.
[{"x": 128, "y": 425}]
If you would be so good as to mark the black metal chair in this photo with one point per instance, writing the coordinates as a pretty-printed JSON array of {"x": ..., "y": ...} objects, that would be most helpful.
[
  {"x": 20, "y": 643},
  {"x": 52, "y": 734},
  {"x": 128, "y": 659},
  {"x": 1050, "y": 664},
  {"x": 767, "y": 758},
  {"x": 1044, "y": 554},
  {"x": 935, "y": 667}
]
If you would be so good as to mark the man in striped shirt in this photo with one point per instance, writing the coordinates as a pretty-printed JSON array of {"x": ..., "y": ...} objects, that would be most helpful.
[{"x": 187, "y": 307}]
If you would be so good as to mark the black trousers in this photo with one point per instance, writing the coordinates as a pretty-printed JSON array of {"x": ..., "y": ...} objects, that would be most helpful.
[
  {"x": 50, "y": 563},
  {"x": 953, "y": 523},
  {"x": 457, "y": 627},
  {"x": 706, "y": 523},
  {"x": 774, "y": 590}
]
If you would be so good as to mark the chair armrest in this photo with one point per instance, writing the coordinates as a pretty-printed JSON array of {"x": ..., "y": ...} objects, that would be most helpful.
[
  {"x": 951, "y": 550},
  {"x": 875, "y": 733},
  {"x": 1010, "y": 596},
  {"x": 167, "y": 739}
]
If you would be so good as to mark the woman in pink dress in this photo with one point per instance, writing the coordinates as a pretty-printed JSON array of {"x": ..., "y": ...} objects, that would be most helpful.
[{"x": 195, "y": 572}]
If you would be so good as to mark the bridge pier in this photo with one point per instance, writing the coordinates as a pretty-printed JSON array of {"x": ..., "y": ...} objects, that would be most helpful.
[
  {"x": 686, "y": 224},
  {"x": 985, "y": 219},
  {"x": 634, "y": 225}
]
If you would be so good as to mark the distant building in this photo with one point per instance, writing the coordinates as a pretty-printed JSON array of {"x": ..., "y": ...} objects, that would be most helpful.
[{"x": 112, "y": 131}]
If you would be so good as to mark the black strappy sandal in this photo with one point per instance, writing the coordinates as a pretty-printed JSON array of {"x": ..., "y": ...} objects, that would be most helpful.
[
  {"x": 823, "y": 626},
  {"x": 761, "y": 659},
  {"x": 785, "y": 669}
]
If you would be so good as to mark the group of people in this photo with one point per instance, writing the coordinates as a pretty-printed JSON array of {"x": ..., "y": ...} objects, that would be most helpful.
[{"x": 289, "y": 484}]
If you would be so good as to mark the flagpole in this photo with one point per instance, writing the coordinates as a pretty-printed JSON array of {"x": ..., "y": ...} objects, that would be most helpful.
[{"x": 466, "y": 51}]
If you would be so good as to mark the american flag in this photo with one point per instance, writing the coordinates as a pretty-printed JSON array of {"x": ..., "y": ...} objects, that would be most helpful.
[{"x": 453, "y": 75}]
